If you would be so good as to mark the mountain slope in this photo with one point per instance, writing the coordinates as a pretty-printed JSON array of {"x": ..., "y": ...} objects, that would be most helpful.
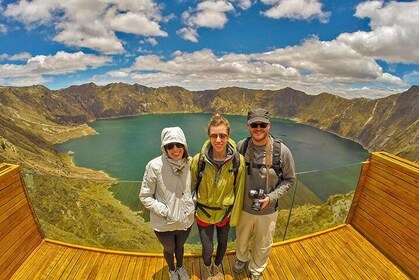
[{"x": 34, "y": 118}]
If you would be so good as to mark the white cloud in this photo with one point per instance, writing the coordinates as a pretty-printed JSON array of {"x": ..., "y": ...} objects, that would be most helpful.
[
  {"x": 331, "y": 61},
  {"x": 203, "y": 68},
  {"x": 24, "y": 81},
  {"x": 32, "y": 12},
  {"x": 189, "y": 34},
  {"x": 3, "y": 29},
  {"x": 394, "y": 36},
  {"x": 312, "y": 67},
  {"x": 16, "y": 57},
  {"x": 60, "y": 63},
  {"x": 151, "y": 41},
  {"x": 208, "y": 14},
  {"x": 118, "y": 74},
  {"x": 244, "y": 4},
  {"x": 134, "y": 23},
  {"x": 93, "y": 36},
  {"x": 296, "y": 9},
  {"x": 91, "y": 24},
  {"x": 411, "y": 77},
  {"x": 144, "y": 51}
]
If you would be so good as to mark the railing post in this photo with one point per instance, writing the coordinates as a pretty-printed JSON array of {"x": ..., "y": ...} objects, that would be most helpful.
[{"x": 292, "y": 206}]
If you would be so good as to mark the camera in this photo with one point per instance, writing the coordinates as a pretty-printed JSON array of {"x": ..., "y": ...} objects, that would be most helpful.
[{"x": 256, "y": 195}]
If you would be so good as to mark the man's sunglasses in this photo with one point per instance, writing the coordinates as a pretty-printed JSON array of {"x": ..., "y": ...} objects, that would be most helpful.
[
  {"x": 261, "y": 125},
  {"x": 221, "y": 135},
  {"x": 172, "y": 145}
]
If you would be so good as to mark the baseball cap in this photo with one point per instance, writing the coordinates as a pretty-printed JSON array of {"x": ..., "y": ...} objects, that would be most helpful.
[{"x": 258, "y": 115}]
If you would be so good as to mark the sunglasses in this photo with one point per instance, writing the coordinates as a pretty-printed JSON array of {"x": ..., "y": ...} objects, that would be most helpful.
[
  {"x": 172, "y": 145},
  {"x": 221, "y": 135},
  {"x": 261, "y": 125}
]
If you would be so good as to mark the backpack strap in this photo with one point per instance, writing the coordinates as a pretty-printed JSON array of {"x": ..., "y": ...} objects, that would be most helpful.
[
  {"x": 204, "y": 207},
  {"x": 276, "y": 156},
  {"x": 201, "y": 168},
  {"x": 235, "y": 170},
  {"x": 268, "y": 159},
  {"x": 243, "y": 150}
]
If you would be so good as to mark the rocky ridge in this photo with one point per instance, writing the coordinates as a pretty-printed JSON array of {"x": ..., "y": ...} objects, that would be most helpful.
[{"x": 35, "y": 118}]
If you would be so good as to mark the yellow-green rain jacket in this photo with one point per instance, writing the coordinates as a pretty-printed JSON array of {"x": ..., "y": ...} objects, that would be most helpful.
[{"x": 216, "y": 188}]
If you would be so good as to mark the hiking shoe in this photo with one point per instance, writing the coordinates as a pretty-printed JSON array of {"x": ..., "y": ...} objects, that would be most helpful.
[
  {"x": 238, "y": 266},
  {"x": 217, "y": 272},
  {"x": 206, "y": 273},
  {"x": 257, "y": 277},
  {"x": 183, "y": 274},
  {"x": 173, "y": 275}
]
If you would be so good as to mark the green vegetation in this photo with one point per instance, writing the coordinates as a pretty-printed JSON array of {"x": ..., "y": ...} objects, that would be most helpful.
[
  {"x": 309, "y": 218},
  {"x": 83, "y": 212}
]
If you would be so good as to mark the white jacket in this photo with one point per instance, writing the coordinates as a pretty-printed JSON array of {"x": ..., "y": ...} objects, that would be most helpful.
[{"x": 166, "y": 191}]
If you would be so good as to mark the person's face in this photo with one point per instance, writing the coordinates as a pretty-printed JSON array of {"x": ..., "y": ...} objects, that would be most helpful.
[
  {"x": 219, "y": 138},
  {"x": 175, "y": 150},
  {"x": 259, "y": 132}
]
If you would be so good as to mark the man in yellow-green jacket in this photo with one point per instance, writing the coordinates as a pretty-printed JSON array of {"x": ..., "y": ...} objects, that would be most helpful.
[{"x": 218, "y": 180}]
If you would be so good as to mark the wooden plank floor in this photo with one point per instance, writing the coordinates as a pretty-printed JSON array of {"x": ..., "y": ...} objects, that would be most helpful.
[{"x": 341, "y": 253}]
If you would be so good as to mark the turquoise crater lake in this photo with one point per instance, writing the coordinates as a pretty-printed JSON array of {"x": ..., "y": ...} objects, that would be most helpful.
[{"x": 124, "y": 146}]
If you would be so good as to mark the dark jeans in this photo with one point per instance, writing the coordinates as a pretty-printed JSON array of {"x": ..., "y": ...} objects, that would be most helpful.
[
  {"x": 207, "y": 236},
  {"x": 173, "y": 242}
]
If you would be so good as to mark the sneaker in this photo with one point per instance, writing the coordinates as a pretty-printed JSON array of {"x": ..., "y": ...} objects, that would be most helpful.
[
  {"x": 257, "y": 277},
  {"x": 173, "y": 275},
  {"x": 206, "y": 273},
  {"x": 217, "y": 272},
  {"x": 183, "y": 274},
  {"x": 238, "y": 266}
]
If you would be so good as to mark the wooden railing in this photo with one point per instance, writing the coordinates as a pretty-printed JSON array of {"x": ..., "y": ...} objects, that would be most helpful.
[
  {"x": 379, "y": 240},
  {"x": 385, "y": 208},
  {"x": 20, "y": 233}
]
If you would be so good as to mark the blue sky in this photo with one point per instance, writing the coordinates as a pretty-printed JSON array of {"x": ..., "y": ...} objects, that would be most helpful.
[{"x": 349, "y": 48}]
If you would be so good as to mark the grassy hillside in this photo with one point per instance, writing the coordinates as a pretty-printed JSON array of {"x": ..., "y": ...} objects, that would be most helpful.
[
  {"x": 83, "y": 212},
  {"x": 33, "y": 119}
]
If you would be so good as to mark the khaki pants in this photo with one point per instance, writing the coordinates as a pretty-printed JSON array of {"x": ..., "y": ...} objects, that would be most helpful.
[{"x": 254, "y": 240}]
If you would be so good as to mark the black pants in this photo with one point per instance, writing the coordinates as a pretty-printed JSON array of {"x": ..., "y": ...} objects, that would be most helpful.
[
  {"x": 207, "y": 236},
  {"x": 173, "y": 242}
]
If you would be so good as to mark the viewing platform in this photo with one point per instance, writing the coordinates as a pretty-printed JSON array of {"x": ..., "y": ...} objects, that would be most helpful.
[{"x": 379, "y": 239}]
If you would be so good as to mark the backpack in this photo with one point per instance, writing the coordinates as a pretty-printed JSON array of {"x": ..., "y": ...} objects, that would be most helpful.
[
  {"x": 201, "y": 167},
  {"x": 276, "y": 156}
]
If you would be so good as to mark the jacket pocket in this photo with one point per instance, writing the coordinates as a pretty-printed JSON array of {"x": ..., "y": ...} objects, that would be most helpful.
[{"x": 180, "y": 210}]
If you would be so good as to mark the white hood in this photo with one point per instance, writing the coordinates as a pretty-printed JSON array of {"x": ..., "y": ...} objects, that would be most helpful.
[{"x": 173, "y": 135}]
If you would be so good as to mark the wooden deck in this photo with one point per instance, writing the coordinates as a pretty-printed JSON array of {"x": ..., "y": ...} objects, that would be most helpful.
[
  {"x": 341, "y": 253},
  {"x": 379, "y": 240}
]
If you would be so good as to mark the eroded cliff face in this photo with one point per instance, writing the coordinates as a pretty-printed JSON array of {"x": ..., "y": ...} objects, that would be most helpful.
[
  {"x": 32, "y": 119},
  {"x": 389, "y": 124}
]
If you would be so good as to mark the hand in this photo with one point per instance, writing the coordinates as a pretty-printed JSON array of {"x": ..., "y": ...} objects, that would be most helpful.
[{"x": 264, "y": 201}]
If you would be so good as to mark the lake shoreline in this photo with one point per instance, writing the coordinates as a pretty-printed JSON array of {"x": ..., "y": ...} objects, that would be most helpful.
[{"x": 93, "y": 131}]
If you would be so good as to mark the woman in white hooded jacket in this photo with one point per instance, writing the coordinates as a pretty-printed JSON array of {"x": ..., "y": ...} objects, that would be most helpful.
[{"x": 166, "y": 192}]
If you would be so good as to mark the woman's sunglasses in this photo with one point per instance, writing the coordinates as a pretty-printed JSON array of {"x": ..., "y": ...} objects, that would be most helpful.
[
  {"x": 261, "y": 125},
  {"x": 172, "y": 145}
]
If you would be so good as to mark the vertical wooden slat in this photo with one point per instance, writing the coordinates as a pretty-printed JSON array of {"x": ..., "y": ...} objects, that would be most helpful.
[
  {"x": 359, "y": 189},
  {"x": 20, "y": 234},
  {"x": 386, "y": 210}
]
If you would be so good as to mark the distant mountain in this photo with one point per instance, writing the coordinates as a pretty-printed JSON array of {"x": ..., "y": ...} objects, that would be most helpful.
[{"x": 34, "y": 118}]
